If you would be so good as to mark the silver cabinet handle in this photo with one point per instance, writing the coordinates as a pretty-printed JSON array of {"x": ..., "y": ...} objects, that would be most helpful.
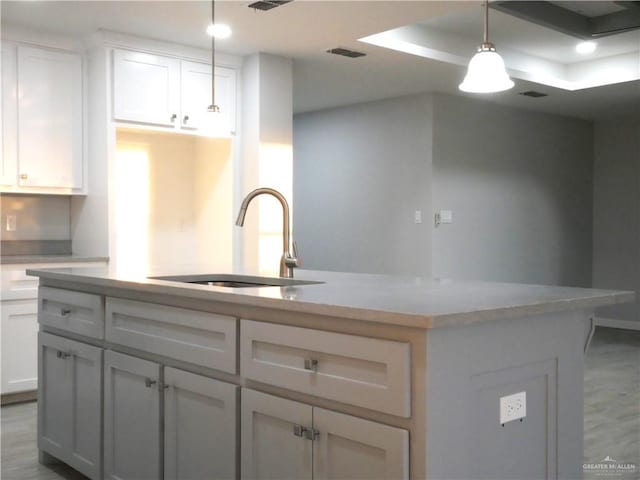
[
  {"x": 63, "y": 355},
  {"x": 311, "y": 365},
  {"x": 23, "y": 176},
  {"x": 299, "y": 430},
  {"x": 65, "y": 311},
  {"x": 185, "y": 119},
  {"x": 173, "y": 117},
  {"x": 309, "y": 433},
  {"x": 149, "y": 383}
]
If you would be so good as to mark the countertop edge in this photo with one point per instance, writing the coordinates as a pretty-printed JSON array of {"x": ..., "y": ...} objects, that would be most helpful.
[{"x": 353, "y": 313}]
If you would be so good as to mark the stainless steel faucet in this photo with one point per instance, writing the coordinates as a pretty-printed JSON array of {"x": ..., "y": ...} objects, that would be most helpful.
[{"x": 287, "y": 262}]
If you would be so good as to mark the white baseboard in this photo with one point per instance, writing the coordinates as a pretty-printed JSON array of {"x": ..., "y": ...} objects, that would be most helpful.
[{"x": 613, "y": 323}]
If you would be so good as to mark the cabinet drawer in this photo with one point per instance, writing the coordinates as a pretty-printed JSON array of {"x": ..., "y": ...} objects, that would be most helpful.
[
  {"x": 367, "y": 372},
  {"x": 76, "y": 312},
  {"x": 196, "y": 337}
]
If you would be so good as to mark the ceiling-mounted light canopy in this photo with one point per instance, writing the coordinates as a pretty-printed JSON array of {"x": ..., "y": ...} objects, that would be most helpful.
[
  {"x": 219, "y": 30},
  {"x": 486, "y": 73}
]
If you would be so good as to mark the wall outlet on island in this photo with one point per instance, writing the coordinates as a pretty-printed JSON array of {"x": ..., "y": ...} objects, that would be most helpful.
[{"x": 513, "y": 407}]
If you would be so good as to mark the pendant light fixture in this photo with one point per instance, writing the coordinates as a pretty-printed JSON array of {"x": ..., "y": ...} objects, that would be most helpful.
[
  {"x": 213, "y": 108},
  {"x": 486, "y": 73}
]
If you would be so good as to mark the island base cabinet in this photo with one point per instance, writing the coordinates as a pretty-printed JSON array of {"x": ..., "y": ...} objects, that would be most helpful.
[
  {"x": 350, "y": 447},
  {"x": 69, "y": 406},
  {"x": 200, "y": 422},
  {"x": 270, "y": 447},
  {"x": 283, "y": 439},
  {"x": 131, "y": 418}
]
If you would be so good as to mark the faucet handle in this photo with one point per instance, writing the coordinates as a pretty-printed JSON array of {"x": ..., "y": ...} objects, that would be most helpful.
[{"x": 293, "y": 260}]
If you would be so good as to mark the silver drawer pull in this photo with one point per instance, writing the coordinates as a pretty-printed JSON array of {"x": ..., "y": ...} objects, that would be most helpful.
[
  {"x": 65, "y": 311},
  {"x": 149, "y": 383},
  {"x": 311, "y": 365},
  {"x": 299, "y": 430},
  {"x": 311, "y": 434},
  {"x": 63, "y": 355}
]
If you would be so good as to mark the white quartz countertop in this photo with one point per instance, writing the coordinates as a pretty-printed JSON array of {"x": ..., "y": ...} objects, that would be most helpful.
[{"x": 398, "y": 300}]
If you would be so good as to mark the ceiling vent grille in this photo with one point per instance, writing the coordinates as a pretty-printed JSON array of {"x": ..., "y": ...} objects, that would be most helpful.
[
  {"x": 265, "y": 5},
  {"x": 533, "y": 94},
  {"x": 345, "y": 52}
]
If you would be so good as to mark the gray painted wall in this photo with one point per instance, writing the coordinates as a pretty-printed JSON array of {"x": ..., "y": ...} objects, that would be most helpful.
[
  {"x": 360, "y": 172},
  {"x": 519, "y": 184},
  {"x": 616, "y": 211}
]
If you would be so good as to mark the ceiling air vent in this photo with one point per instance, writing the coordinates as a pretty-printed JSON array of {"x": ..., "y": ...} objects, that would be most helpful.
[
  {"x": 533, "y": 94},
  {"x": 265, "y": 5},
  {"x": 345, "y": 52}
]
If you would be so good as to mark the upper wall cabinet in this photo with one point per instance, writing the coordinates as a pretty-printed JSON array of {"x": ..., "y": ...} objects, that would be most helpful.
[
  {"x": 168, "y": 92},
  {"x": 42, "y": 121}
]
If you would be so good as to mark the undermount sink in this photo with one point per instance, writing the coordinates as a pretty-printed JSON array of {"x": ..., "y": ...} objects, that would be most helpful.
[{"x": 235, "y": 281}]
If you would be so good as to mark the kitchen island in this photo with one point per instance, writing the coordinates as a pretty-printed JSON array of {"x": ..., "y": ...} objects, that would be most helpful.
[{"x": 353, "y": 376}]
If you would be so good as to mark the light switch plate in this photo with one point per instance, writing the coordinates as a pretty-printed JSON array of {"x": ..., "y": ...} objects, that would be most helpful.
[
  {"x": 513, "y": 407},
  {"x": 12, "y": 223},
  {"x": 444, "y": 216}
]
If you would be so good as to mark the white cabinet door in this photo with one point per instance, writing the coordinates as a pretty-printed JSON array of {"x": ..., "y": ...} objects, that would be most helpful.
[
  {"x": 50, "y": 121},
  {"x": 195, "y": 92},
  {"x": 270, "y": 447},
  {"x": 69, "y": 402},
  {"x": 196, "y": 97},
  {"x": 19, "y": 347},
  {"x": 350, "y": 447},
  {"x": 200, "y": 427},
  {"x": 131, "y": 418},
  {"x": 146, "y": 88},
  {"x": 226, "y": 97},
  {"x": 9, "y": 116}
]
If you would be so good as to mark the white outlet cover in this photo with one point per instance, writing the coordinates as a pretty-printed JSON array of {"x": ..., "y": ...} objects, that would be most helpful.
[{"x": 513, "y": 407}]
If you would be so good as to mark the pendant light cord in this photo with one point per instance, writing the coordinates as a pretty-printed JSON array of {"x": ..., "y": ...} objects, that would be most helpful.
[
  {"x": 486, "y": 22},
  {"x": 213, "y": 107}
]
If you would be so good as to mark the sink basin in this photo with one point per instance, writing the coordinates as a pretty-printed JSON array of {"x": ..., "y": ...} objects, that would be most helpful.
[{"x": 235, "y": 281}]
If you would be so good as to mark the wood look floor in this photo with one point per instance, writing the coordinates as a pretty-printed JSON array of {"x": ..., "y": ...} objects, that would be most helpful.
[{"x": 612, "y": 415}]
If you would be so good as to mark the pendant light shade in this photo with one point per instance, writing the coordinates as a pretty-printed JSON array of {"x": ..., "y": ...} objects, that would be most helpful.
[{"x": 486, "y": 73}]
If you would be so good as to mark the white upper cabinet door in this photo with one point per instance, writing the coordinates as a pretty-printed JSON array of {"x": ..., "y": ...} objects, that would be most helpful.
[
  {"x": 200, "y": 416},
  {"x": 9, "y": 116},
  {"x": 350, "y": 447},
  {"x": 50, "y": 120},
  {"x": 273, "y": 442},
  {"x": 146, "y": 88},
  {"x": 195, "y": 94},
  {"x": 196, "y": 98}
]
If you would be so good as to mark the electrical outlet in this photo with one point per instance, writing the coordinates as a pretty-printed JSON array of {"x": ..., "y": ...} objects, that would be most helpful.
[
  {"x": 417, "y": 216},
  {"x": 12, "y": 223},
  {"x": 513, "y": 407}
]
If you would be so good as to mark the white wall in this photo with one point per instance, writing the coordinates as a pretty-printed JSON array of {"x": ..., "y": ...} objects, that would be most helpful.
[
  {"x": 360, "y": 173},
  {"x": 519, "y": 184},
  {"x": 616, "y": 206}
]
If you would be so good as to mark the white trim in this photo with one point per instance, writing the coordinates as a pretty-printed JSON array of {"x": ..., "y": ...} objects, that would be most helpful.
[
  {"x": 615, "y": 323},
  {"x": 17, "y": 34},
  {"x": 106, "y": 38}
]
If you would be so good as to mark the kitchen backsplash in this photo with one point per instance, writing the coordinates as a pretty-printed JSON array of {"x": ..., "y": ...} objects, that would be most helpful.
[{"x": 31, "y": 220}]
